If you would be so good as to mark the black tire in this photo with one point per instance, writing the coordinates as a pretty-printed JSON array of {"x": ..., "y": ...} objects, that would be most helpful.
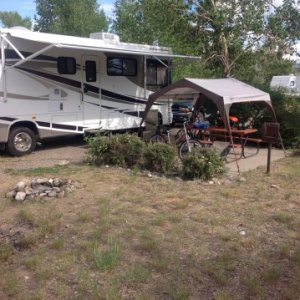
[
  {"x": 184, "y": 149},
  {"x": 157, "y": 138},
  {"x": 21, "y": 141}
]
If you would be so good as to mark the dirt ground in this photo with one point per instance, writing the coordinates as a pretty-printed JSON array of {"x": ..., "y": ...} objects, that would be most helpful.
[
  {"x": 48, "y": 154},
  {"x": 126, "y": 236},
  {"x": 73, "y": 150}
]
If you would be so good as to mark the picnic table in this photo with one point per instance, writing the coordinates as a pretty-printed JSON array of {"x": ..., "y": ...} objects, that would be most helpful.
[{"x": 240, "y": 138}]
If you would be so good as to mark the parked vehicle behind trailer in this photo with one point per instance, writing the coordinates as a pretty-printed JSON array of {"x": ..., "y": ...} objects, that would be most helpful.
[{"x": 182, "y": 111}]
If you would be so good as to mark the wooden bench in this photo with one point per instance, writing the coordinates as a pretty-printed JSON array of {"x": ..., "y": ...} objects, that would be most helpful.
[
  {"x": 246, "y": 151},
  {"x": 205, "y": 143},
  {"x": 232, "y": 152}
]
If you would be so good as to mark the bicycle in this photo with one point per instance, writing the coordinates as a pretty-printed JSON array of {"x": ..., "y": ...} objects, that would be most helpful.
[
  {"x": 162, "y": 135},
  {"x": 185, "y": 143}
]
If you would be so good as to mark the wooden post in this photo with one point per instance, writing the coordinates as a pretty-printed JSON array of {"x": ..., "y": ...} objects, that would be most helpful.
[
  {"x": 269, "y": 158},
  {"x": 270, "y": 135}
]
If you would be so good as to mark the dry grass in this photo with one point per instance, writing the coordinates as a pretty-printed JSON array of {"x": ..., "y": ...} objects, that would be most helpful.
[{"x": 127, "y": 236}]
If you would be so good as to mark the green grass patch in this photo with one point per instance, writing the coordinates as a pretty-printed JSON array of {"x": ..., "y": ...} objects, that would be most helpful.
[
  {"x": 36, "y": 171},
  {"x": 6, "y": 251},
  {"x": 136, "y": 275},
  {"x": 284, "y": 218},
  {"x": 106, "y": 259},
  {"x": 273, "y": 275}
]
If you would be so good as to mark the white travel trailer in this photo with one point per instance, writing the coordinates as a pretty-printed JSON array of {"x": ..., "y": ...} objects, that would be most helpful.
[
  {"x": 55, "y": 85},
  {"x": 289, "y": 84}
]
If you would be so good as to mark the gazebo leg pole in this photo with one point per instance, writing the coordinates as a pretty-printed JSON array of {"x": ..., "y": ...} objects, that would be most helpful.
[{"x": 235, "y": 157}]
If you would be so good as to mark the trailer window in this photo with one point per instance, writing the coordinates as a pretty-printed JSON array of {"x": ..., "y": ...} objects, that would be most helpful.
[
  {"x": 90, "y": 71},
  {"x": 119, "y": 66},
  {"x": 157, "y": 73},
  {"x": 66, "y": 65}
]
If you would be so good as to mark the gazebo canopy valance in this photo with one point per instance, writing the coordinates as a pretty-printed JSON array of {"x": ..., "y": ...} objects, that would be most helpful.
[{"x": 223, "y": 92}]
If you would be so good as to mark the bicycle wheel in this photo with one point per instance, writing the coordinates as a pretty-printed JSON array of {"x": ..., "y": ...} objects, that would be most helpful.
[
  {"x": 185, "y": 149},
  {"x": 157, "y": 138}
]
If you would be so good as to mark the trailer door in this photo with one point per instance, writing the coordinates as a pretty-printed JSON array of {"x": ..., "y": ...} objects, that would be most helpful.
[{"x": 90, "y": 89}]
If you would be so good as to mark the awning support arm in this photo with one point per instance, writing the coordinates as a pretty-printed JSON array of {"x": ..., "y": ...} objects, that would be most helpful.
[
  {"x": 12, "y": 45},
  {"x": 20, "y": 62},
  {"x": 161, "y": 62}
]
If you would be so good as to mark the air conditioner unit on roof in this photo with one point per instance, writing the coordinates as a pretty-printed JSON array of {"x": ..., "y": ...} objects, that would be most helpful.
[{"x": 105, "y": 36}]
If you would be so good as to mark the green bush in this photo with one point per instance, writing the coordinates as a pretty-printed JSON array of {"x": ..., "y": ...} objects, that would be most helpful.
[
  {"x": 204, "y": 163},
  {"x": 123, "y": 150},
  {"x": 287, "y": 108},
  {"x": 160, "y": 157}
]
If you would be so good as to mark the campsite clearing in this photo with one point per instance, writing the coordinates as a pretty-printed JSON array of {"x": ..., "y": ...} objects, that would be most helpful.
[{"x": 126, "y": 235}]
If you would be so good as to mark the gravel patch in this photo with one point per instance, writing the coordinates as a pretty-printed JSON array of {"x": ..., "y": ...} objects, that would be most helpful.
[{"x": 47, "y": 154}]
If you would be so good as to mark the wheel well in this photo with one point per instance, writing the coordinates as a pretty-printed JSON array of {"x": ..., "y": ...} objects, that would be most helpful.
[
  {"x": 160, "y": 118},
  {"x": 27, "y": 124}
]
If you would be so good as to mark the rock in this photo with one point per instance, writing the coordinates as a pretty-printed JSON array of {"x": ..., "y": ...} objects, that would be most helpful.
[
  {"x": 216, "y": 181},
  {"x": 30, "y": 197},
  {"x": 242, "y": 179},
  {"x": 52, "y": 194},
  {"x": 63, "y": 162},
  {"x": 42, "y": 180},
  {"x": 43, "y": 195},
  {"x": 20, "y": 196},
  {"x": 242, "y": 232},
  {"x": 149, "y": 175},
  {"x": 20, "y": 186},
  {"x": 11, "y": 194},
  {"x": 63, "y": 181},
  {"x": 68, "y": 190},
  {"x": 211, "y": 182},
  {"x": 57, "y": 182},
  {"x": 76, "y": 184},
  {"x": 42, "y": 188},
  {"x": 275, "y": 186},
  {"x": 61, "y": 194},
  {"x": 226, "y": 181},
  {"x": 28, "y": 190}
]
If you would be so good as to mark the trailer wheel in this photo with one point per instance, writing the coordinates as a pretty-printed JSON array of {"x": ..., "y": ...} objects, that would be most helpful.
[{"x": 21, "y": 141}]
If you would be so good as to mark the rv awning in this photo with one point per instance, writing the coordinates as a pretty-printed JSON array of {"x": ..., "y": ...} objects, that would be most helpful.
[
  {"x": 89, "y": 44},
  {"x": 223, "y": 92}
]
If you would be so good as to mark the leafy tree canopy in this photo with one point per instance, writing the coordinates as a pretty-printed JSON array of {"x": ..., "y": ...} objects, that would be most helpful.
[
  {"x": 12, "y": 18},
  {"x": 223, "y": 33},
  {"x": 76, "y": 17}
]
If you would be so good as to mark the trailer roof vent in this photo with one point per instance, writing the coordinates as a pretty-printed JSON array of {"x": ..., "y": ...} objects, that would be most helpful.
[{"x": 106, "y": 36}]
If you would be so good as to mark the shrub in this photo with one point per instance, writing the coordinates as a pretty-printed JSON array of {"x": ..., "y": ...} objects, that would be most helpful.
[
  {"x": 287, "y": 108},
  {"x": 204, "y": 163},
  {"x": 160, "y": 157},
  {"x": 123, "y": 150}
]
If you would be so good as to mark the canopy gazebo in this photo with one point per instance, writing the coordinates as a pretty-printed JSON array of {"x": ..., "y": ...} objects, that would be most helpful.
[{"x": 222, "y": 92}]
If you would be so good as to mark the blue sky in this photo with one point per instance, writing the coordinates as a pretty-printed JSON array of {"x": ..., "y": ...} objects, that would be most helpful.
[{"x": 26, "y": 8}]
